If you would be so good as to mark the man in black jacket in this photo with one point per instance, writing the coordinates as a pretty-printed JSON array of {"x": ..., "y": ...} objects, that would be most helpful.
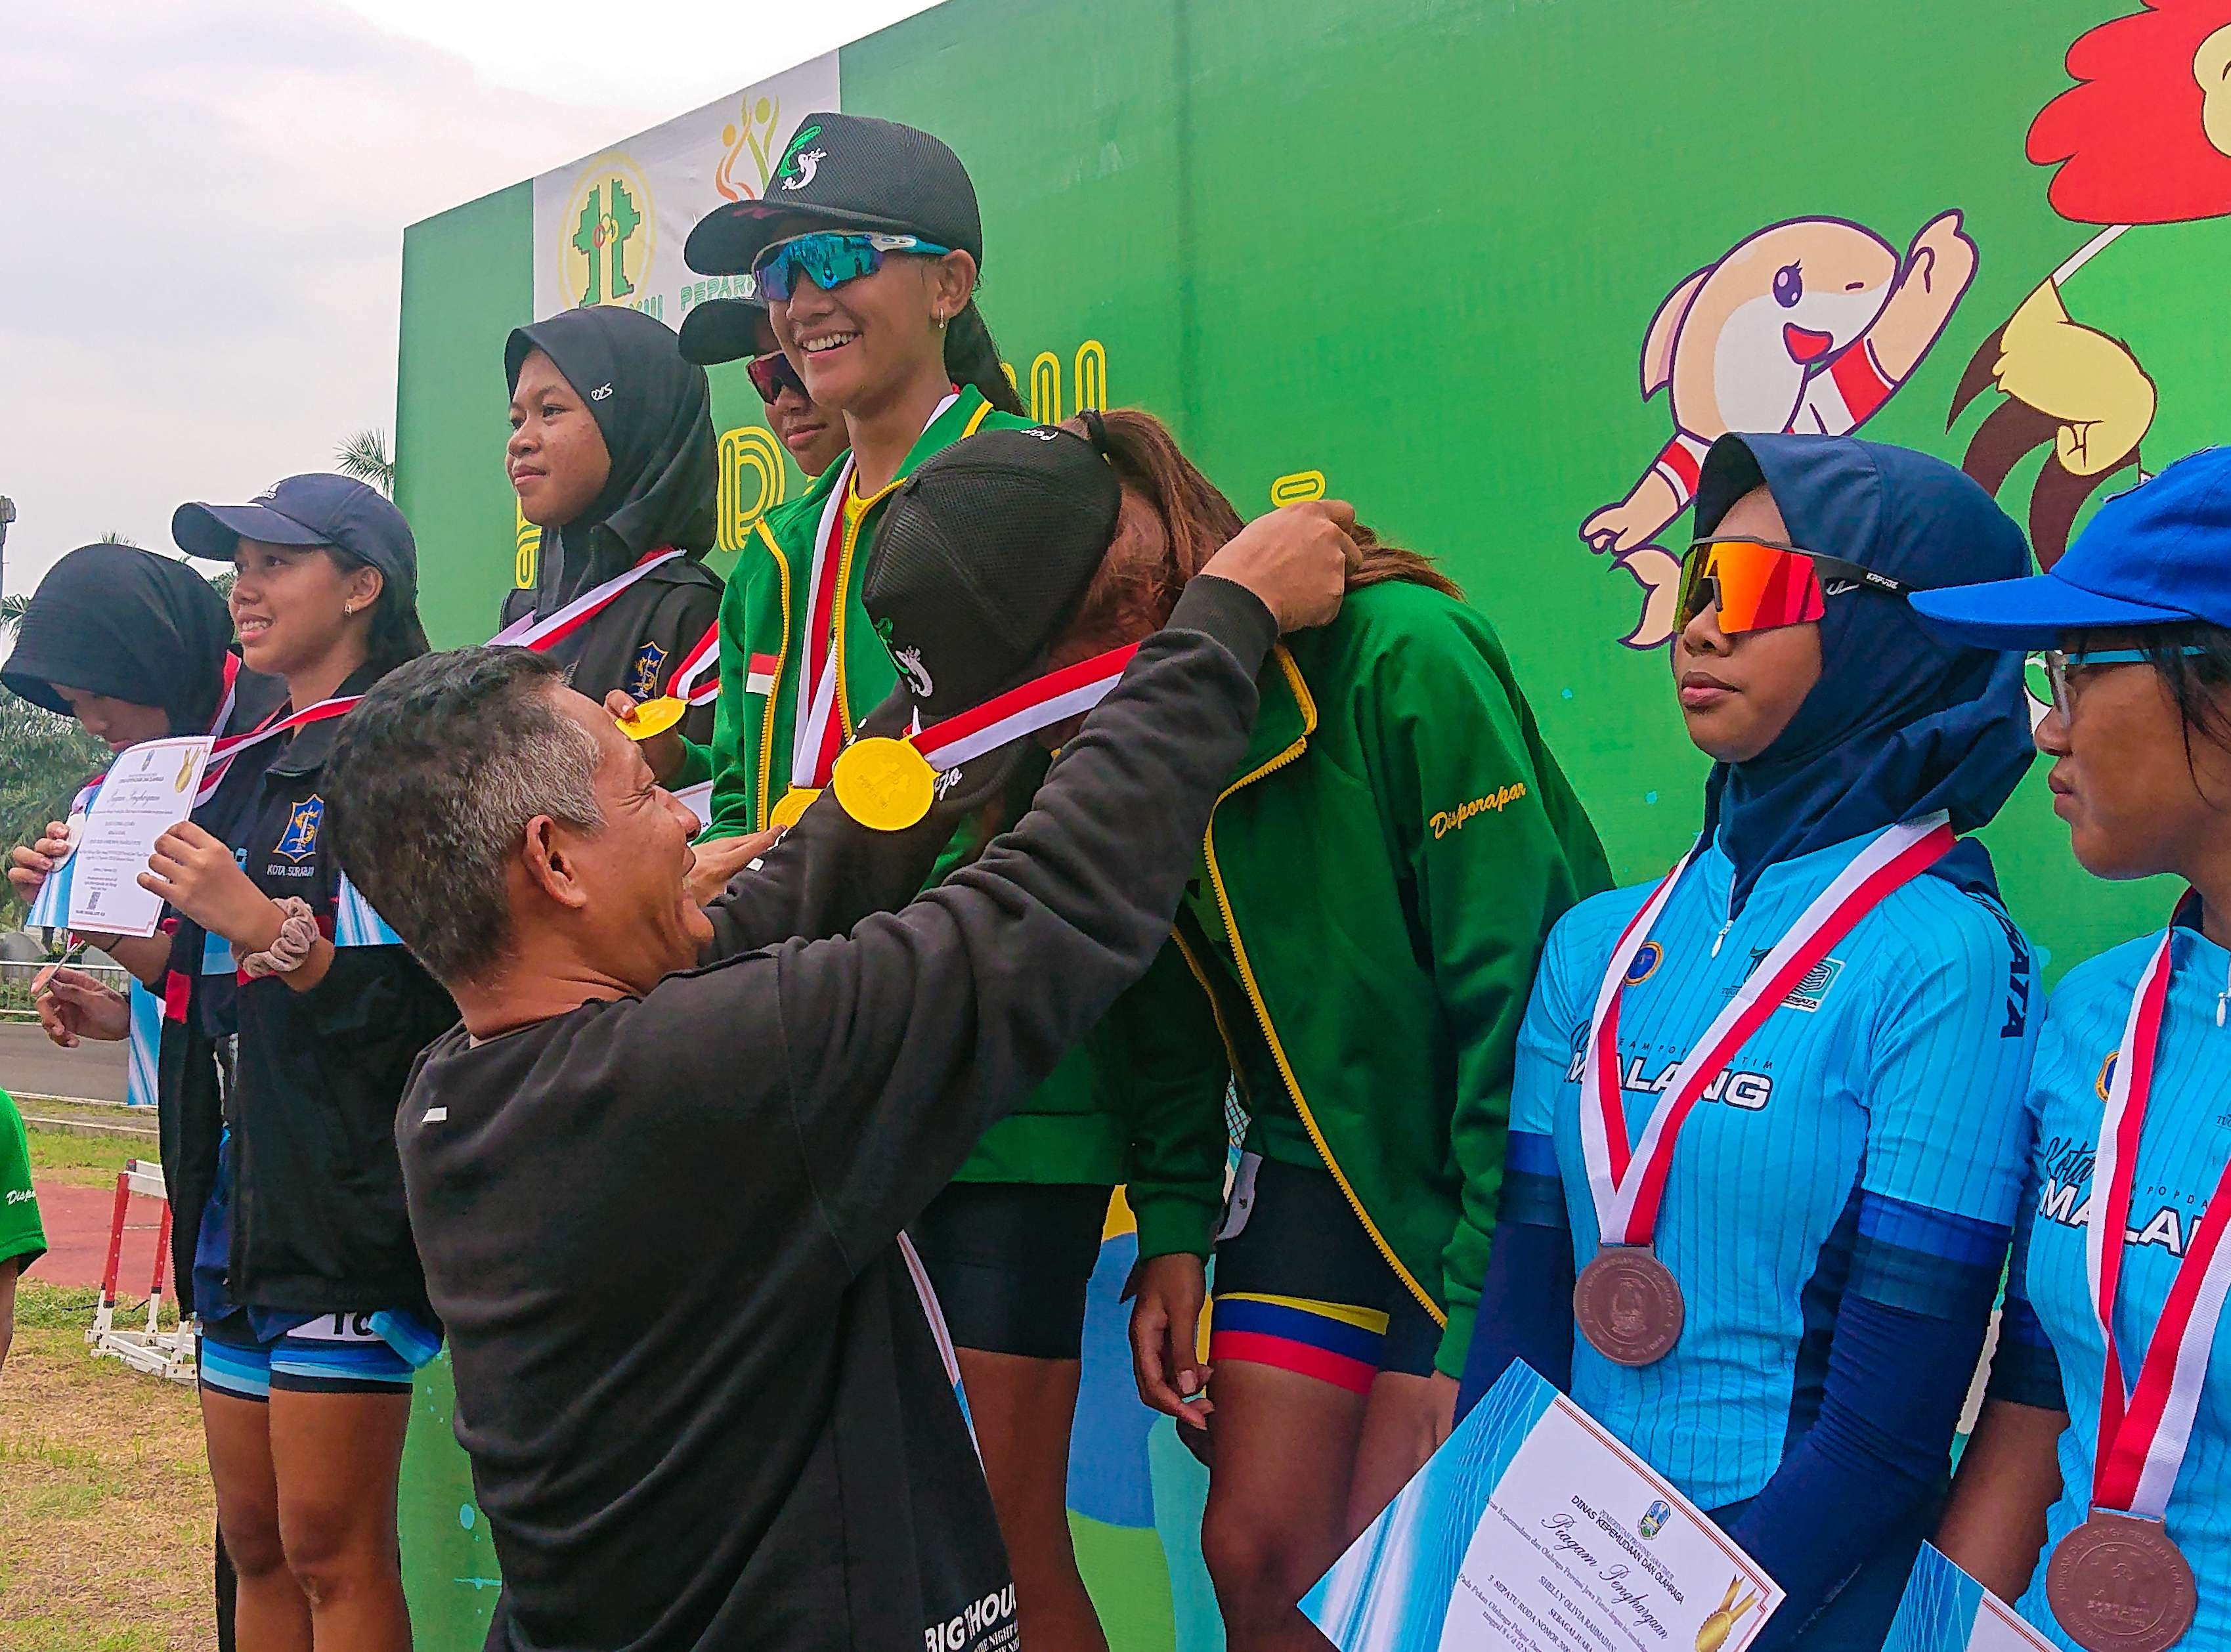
[{"x": 660, "y": 1212}]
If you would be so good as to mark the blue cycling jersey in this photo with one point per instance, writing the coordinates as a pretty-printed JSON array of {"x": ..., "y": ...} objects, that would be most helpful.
[
  {"x": 2185, "y": 1142},
  {"x": 1870, "y": 1137}
]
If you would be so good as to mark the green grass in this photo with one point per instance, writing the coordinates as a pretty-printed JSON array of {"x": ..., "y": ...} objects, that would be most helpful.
[
  {"x": 86, "y": 1161},
  {"x": 105, "y": 1503},
  {"x": 54, "y": 1307}
]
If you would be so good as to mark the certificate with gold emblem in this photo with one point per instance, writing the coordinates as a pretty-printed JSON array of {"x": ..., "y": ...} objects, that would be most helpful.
[
  {"x": 1946, "y": 1610},
  {"x": 1533, "y": 1529},
  {"x": 150, "y": 788}
]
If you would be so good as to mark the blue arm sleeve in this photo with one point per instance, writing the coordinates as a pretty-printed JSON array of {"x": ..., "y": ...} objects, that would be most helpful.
[
  {"x": 1897, "y": 1380},
  {"x": 2024, "y": 1369},
  {"x": 1526, "y": 1301}
]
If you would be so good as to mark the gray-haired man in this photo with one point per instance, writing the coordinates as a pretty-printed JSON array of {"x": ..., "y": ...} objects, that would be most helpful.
[{"x": 660, "y": 1212}]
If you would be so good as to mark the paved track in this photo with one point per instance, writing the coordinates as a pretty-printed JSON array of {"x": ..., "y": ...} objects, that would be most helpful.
[{"x": 31, "y": 1065}]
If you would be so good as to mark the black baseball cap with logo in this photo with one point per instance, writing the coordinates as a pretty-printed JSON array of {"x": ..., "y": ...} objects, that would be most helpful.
[
  {"x": 982, "y": 557},
  {"x": 846, "y": 172}
]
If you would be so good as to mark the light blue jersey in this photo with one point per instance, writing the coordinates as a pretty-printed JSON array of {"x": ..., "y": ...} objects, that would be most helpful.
[
  {"x": 1869, "y": 1138},
  {"x": 2186, "y": 1139}
]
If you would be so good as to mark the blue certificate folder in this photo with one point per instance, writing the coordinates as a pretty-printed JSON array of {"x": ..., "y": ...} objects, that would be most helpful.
[
  {"x": 1390, "y": 1591},
  {"x": 1946, "y": 1610}
]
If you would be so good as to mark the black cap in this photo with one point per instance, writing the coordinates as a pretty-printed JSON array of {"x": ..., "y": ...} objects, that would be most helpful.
[
  {"x": 315, "y": 509},
  {"x": 845, "y": 172},
  {"x": 722, "y": 329},
  {"x": 982, "y": 556}
]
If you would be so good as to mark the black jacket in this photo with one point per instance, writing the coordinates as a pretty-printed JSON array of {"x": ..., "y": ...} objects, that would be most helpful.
[
  {"x": 635, "y": 644},
  {"x": 702, "y": 1400},
  {"x": 198, "y": 1010},
  {"x": 317, "y": 1217}
]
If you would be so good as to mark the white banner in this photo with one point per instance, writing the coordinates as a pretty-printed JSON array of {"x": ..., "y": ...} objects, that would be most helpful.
[{"x": 610, "y": 228}]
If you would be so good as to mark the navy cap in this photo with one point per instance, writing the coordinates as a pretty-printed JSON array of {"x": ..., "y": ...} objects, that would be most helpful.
[
  {"x": 315, "y": 510},
  {"x": 2158, "y": 555},
  {"x": 722, "y": 329}
]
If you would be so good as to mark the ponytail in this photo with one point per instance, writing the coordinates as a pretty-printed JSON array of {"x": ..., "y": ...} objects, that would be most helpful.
[
  {"x": 971, "y": 358},
  {"x": 398, "y": 635}
]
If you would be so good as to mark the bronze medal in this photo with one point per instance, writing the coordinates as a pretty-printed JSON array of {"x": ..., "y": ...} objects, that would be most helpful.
[
  {"x": 2120, "y": 1583},
  {"x": 1628, "y": 1305}
]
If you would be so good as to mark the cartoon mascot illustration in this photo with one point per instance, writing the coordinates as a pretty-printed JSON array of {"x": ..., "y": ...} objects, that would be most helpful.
[
  {"x": 2143, "y": 138},
  {"x": 1808, "y": 324}
]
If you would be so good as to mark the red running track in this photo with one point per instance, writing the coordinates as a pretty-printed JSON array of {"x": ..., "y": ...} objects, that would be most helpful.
[{"x": 76, "y": 1221}]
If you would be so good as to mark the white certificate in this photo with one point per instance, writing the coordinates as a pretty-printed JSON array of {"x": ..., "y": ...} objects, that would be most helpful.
[
  {"x": 1533, "y": 1529},
  {"x": 148, "y": 790}
]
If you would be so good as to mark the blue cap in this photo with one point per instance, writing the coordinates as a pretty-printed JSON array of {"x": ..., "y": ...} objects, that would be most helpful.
[
  {"x": 315, "y": 510},
  {"x": 2158, "y": 555}
]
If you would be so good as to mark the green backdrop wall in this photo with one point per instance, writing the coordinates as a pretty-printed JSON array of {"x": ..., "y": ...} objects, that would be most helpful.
[{"x": 1419, "y": 247}]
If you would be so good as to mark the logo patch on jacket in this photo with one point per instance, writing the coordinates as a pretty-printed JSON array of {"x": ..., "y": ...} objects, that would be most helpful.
[
  {"x": 642, "y": 676},
  {"x": 301, "y": 837},
  {"x": 1807, "y": 994}
]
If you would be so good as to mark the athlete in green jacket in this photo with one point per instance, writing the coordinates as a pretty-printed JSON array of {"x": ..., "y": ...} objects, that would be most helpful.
[
  {"x": 1375, "y": 885},
  {"x": 865, "y": 246}
]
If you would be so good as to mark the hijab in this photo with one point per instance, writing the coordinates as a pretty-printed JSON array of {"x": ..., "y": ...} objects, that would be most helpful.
[
  {"x": 1901, "y": 723},
  {"x": 655, "y": 411},
  {"x": 116, "y": 620}
]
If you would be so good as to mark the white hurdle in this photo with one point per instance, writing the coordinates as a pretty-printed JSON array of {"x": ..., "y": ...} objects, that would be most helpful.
[{"x": 160, "y": 1353}]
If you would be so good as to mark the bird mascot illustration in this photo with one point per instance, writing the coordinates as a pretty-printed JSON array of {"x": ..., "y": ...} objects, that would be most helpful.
[{"x": 2144, "y": 138}]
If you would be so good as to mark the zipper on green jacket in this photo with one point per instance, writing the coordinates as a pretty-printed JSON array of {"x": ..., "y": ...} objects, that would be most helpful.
[{"x": 1255, "y": 993}]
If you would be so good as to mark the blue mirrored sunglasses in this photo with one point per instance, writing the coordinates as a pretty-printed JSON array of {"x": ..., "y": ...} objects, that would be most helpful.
[{"x": 829, "y": 258}]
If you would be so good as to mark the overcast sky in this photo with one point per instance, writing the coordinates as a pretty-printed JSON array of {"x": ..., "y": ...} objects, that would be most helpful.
[{"x": 206, "y": 202}]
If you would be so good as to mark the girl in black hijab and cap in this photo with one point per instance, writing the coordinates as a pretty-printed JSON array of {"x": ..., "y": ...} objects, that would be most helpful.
[{"x": 613, "y": 456}]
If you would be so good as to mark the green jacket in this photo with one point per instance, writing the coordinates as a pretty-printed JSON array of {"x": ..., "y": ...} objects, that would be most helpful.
[
  {"x": 1075, "y": 1127},
  {"x": 1388, "y": 861}
]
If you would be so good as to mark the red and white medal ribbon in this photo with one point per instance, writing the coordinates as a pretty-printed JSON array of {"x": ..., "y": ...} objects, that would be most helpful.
[
  {"x": 223, "y": 751},
  {"x": 2143, "y": 1430},
  {"x": 696, "y": 679},
  {"x": 527, "y": 632},
  {"x": 1039, "y": 703},
  {"x": 815, "y": 734},
  {"x": 1627, "y": 1182}
]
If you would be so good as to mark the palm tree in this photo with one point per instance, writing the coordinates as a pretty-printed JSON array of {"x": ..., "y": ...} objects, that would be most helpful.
[
  {"x": 364, "y": 455},
  {"x": 12, "y": 610}
]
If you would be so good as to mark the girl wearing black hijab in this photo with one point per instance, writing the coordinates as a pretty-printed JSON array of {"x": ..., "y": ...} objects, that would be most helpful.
[
  {"x": 1777, "y": 1297},
  {"x": 613, "y": 456},
  {"x": 137, "y": 646}
]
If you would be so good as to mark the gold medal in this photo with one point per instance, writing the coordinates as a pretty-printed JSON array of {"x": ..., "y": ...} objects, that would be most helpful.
[
  {"x": 653, "y": 717},
  {"x": 792, "y": 804},
  {"x": 885, "y": 784}
]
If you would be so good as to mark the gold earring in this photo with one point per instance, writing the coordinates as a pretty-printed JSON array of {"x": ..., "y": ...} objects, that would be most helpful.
[{"x": 939, "y": 316}]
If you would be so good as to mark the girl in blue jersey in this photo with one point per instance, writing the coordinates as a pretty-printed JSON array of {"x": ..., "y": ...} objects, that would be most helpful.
[
  {"x": 1815, "y": 1043},
  {"x": 2099, "y": 1503}
]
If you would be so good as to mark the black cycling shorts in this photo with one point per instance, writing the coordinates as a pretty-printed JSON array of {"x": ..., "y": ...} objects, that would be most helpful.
[
  {"x": 1300, "y": 1286},
  {"x": 1011, "y": 1259}
]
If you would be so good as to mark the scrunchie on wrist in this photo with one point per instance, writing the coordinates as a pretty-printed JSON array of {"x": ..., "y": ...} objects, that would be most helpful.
[{"x": 291, "y": 948}]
